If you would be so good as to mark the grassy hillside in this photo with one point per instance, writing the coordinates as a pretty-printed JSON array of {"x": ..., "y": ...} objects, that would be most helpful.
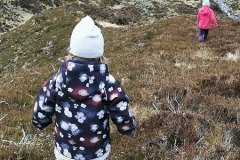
[{"x": 185, "y": 95}]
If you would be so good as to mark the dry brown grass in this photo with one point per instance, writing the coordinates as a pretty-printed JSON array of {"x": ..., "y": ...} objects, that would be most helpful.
[{"x": 185, "y": 95}]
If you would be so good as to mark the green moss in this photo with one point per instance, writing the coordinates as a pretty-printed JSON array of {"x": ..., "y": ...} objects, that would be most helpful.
[{"x": 215, "y": 135}]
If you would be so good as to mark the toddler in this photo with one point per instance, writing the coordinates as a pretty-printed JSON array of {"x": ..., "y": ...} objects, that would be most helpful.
[
  {"x": 205, "y": 18},
  {"x": 83, "y": 95}
]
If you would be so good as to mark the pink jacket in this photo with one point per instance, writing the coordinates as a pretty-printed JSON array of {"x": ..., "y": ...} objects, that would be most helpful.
[{"x": 205, "y": 17}]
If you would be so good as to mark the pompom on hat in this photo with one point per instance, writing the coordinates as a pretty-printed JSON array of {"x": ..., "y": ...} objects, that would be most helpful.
[
  {"x": 205, "y": 3},
  {"x": 87, "y": 39}
]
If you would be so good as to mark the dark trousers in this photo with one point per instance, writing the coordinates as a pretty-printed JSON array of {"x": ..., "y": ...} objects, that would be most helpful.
[{"x": 202, "y": 35}]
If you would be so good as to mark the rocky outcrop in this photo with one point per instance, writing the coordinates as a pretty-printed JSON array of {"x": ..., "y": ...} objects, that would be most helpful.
[{"x": 15, "y": 12}]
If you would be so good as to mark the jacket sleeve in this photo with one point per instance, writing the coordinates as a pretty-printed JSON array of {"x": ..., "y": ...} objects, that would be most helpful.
[
  {"x": 213, "y": 19},
  {"x": 118, "y": 109},
  {"x": 45, "y": 104}
]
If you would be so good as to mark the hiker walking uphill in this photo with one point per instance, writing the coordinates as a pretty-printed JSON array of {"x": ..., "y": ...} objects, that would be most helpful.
[
  {"x": 82, "y": 95},
  {"x": 205, "y": 18}
]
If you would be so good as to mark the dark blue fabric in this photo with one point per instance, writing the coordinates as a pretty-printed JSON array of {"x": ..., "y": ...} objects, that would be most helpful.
[{"x": 82, "y": 96}]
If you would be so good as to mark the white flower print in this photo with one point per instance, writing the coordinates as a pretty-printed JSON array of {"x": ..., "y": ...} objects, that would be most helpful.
[
  {"x": 58, "y": 109},
  {"x": 41, "y": 116},
  {"x": 70, "y": 90},
  {"x": 102, "y": 68},
  {"x": 70, "y": 66},
  {"x": 125, "y": 128},
  {"x": 91, "y": 68},
  {"x": 79, "y": 156},
  {"x": 80, "y": 117},
  {"x": 83, "y": 77},
  {"x": 47, "y": 108},
  {"x": 82, "y": 139},
  {"x": 99, "y": 132},
  {"x": 83, "y": 105},
  {"x": 83, "y": 92},
  {"x": 127, "y": 122},
  {"x": 44, "y": 89},
  {"x": 35, "y": 107},
  {"x": 60, "y": 93},
  {"x": 82, "y": 148},
  {"x": 67, "y": 153},
  {"x": 122, "y": 106},
  {"x": 105, "y": 124},
  {"x": 59, "y": 80},
  {"x": 91, "y": 80},
  {"x": 119, "y": 89},
  {"x": 41, "y": 101},
  {"x": 111, "y": 79},
  {"x": 55, "y": 77},
  {"x": 61, "y": 135},
  {"x": 50, "y": 84},
  {"x": 119, "y": 119},
  {"x": 110, "y": 89},
  {"x": 67, "y": 112},
  {"x": 104, "y": 136},
  {"x": 48, "y": 93},
  {"x": 130, "y": 113},
  {"x": 64, "y": 125},
  {"x": 74, "y": 129},
  {"x": 87, "y": 85},
  {"x": 94, "y": 140},
  {"x": 94, "y": 127},
  {"x": 74, "y": 148},
  {"x": 101, "y": 85},
  {"x": 75, "y": 104},
  {"x": 58, "y": 147},
  {"x": 97, "y": 98},
  {"x": 108, "y": 146},
  {"x": 100, "y": 114},
  {"x": 99, "y": 153}
]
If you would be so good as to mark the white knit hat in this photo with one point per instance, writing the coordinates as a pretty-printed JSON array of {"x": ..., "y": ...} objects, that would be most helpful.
[
  {"x": 86, "y": 39},
  {"x": 206, "y": 3}
]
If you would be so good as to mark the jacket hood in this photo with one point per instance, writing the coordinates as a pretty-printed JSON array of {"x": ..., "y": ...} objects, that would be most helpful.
[
  {"x": 74, "y": 66},
  {"x": 204, "y": 10},
  {"x": 83, "y": 79}
]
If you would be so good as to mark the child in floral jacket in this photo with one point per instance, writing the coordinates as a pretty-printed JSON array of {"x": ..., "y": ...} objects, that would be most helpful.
[
  {"x": 83, "y": 95},
  {"x": 205, "y": 18}
]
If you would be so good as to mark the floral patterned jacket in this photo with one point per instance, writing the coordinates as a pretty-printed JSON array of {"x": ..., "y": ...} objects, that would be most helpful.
[{"x": 82, "y": 96}]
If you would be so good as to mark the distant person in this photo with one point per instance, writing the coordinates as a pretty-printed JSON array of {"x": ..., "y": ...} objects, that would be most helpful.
[
  {"x": 205, "y": 18},
  {"x": 82, "y": 95}
]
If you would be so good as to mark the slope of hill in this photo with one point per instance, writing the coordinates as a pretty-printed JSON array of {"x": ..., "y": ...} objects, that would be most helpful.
[
  {"x": 16, "y": 12},
  {"x": 185, "y": 95}
]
